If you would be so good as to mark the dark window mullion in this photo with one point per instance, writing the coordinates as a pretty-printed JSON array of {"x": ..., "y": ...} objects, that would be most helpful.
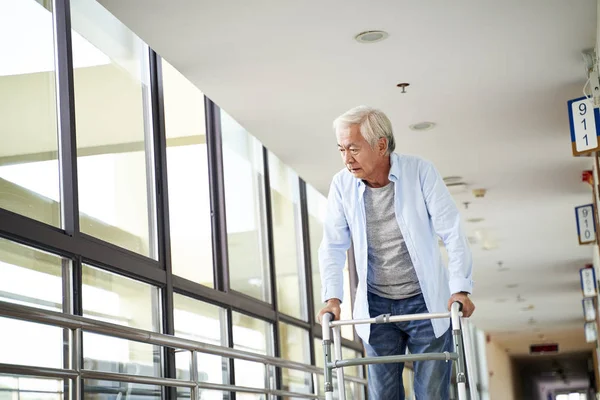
[
  {"x": 65, "y": 107},
  {"x": 162, "y": 215},
  {"x": 214, "y": 145},
  {"x": 271, "y": 260},
  {"x": 307, "y": 265},
  {"x": 67, "y": 159}
]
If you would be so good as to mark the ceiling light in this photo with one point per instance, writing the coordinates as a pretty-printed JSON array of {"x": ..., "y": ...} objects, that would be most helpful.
[
  {"x": 422, "y": 126},
  {"x": 475, "y": 220},
  {"x": 448, "y": 180},
  {"x": 512, "y": 286},
  {"x": 371, "y": 36}
]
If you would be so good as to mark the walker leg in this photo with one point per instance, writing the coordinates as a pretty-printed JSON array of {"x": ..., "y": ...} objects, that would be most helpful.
[
  {"x": 461, "y": 378},
  {"x": 337, "y": 340},
  {"x": 328, "y": 376}
]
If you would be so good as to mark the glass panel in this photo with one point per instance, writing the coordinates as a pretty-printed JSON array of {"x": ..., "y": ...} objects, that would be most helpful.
[
  {"x": 119, "y": 300},
  {"x": 33, "y": 278},
  {"x": 30, "y": 388},
  {"x": 250, "y": 396},
  {"x": 349, "y": 354},
  {"x": 205, "y": 323},
  {"x": 189, "y": 196},
  {"x": 255, "y": 335},
  {"x": 206, "y": 394},
  {"x": 244, "y": 198},
  {"x": 115, "y": 168},
  {"x": 30, "y": 277},
  {"x": 317, "y": 209},
  {"x": 109, "y": 390},
  {"x": 295, "y": 347},
  {"x": 29, "y": 171},
  {"x": 27, "y": 343},
  {"x": 287, "y": 233}
]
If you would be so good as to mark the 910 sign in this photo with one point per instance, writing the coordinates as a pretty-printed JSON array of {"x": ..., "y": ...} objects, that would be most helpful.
[{"x": 586, "y": 224}]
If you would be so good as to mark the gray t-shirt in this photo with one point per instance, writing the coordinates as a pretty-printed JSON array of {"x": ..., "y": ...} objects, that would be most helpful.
[{"x": 391, "y": 273}]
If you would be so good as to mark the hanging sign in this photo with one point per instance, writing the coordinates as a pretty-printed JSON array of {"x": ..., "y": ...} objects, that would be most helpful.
[
  {"x": 584, "y": 121},
  {"x": 588, "y": 281},
  {"x": 589, "y": 309},
  {"x": 586, "y": 224}
]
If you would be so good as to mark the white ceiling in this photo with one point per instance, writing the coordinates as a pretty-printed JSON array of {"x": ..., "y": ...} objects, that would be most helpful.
[{"x": 494, "y": 75}]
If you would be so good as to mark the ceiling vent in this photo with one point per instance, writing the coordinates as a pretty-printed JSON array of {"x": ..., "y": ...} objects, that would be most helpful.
[{"x": 455, "y": 184}]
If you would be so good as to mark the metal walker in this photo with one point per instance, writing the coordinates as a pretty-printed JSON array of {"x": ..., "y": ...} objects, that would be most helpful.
[{"x": 338, "y": 363}]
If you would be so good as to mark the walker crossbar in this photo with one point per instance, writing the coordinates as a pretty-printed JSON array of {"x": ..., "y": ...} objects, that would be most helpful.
[
  {"x": 394, "y": 359},
  {"x": 387, "y": 318},
  {"x": 336, "y": 362}
]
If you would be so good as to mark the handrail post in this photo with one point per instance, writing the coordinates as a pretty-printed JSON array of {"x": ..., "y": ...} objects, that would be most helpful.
[
  {"x": 268, "y": 382},
  {"x": 76, "y": 356},
  {"x": 328, "y": 376},
  {"x": 461, "y": 379},
  {"x": 195, "y": 395}
]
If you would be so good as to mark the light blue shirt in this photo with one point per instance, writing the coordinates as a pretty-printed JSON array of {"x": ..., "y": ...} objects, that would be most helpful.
[{"x": 424, "y": 211}]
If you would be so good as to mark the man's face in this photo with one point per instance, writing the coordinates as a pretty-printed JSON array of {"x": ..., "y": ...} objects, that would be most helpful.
[{"x": 358, "y": 156}]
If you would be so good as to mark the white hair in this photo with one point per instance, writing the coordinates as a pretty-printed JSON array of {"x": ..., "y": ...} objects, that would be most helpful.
[{"x": 373, "y": 123}]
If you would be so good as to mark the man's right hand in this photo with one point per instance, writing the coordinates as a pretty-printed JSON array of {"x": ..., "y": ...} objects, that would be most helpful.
[{"x": 332, "y": 306}]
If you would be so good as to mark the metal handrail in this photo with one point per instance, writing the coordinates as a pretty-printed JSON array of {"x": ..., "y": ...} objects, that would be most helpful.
[{"x": 77, "y": 324}]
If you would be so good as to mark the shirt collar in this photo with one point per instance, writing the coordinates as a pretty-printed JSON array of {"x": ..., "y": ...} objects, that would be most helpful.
[{"x": 394, "y": 170}]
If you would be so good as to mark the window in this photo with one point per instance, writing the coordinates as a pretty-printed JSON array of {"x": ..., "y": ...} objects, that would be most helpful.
[
  {"x": 285, "y": 210},
  {"x": 295, "y": 347},
  {"x": 114, "y": 131},
  {"x": 95, "y": 389},
  {"x": 205, "y": 323},
  {"x": 187, "y": 167},
  {"x": 119, "y": 300},
  {"x": 317, "y": 209},
  {"x": 33, "y": 278},
  {"x": 254, "y": 335},
  {"x": 29, "y": 170},
  {"x": 244, "y": 198},
  {"x": 27, "y": 388}
]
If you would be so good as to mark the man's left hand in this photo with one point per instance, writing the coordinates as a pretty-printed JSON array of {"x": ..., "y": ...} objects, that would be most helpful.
[{"x": 468, "y": 307}]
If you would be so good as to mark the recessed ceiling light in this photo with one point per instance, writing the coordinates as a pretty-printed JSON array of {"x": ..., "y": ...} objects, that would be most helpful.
[
  {"x": 422, "y": 126},
  {"x": 371, "y": 36},
  {"x": 452, "y": 179},
  {"x": 475, "y": 220},
  {"x": 512, "y": 286}
]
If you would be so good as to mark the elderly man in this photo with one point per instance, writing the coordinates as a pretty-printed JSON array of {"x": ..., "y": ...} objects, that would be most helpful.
[{"x": 393, "y": 207}]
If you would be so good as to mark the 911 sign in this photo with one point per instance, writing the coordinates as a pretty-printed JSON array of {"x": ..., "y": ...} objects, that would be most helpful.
[
  {"x": 586, "y": 224},
  {"x": 584, "y": 121}
]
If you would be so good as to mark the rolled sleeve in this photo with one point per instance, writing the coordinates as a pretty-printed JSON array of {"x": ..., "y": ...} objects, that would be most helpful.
[{"x": 336, "y": 242}]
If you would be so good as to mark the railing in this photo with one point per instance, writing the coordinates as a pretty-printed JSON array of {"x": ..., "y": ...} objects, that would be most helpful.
[{"x": 76, "y": 373}]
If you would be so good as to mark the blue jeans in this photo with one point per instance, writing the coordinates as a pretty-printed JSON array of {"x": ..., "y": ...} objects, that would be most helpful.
[{"x": 432, "y": 378}]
